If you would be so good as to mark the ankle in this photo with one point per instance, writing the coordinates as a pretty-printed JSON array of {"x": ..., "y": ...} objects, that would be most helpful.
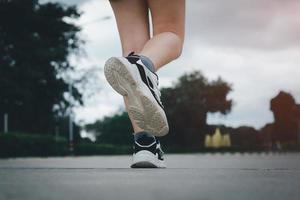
[
  {"x": 144, "y": 137},
  {"x": 148, "y": 63},
  {"x": 145, "y": 60}
]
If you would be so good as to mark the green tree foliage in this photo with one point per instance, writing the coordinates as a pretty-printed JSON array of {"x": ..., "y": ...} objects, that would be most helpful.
[
  {"x": 113, "y": 130},
  {"x": 35, "y": 42},
  {"x": 187, "y": 105}
]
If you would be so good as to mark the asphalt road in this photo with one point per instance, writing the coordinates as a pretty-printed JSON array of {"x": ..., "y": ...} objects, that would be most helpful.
[{"x": 189, "y": 176}]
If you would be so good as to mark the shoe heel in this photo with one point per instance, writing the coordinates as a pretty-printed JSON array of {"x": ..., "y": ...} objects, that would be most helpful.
[
  {"x": 116, "y": 73},
  {"x": 145, "y": 159}
]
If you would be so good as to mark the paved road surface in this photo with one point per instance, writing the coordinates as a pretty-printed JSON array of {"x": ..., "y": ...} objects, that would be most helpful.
[{"x": 192, "y": 176}]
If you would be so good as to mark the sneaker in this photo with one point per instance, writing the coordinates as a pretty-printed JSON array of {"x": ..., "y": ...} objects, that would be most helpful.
[
  {"x": 130, "y": 77},
  {"x": 147, "y": 152}
]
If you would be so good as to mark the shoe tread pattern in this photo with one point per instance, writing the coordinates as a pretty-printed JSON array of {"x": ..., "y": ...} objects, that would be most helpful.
[{"x": 142, "y": 109}]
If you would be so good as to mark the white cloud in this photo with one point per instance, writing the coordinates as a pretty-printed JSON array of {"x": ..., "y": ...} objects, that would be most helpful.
[
  {"x": 256, "y": 76},
  {"x": 256, "y": 24}
]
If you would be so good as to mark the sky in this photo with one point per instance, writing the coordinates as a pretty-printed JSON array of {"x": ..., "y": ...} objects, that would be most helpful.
[{"x": 254, "y": 45}]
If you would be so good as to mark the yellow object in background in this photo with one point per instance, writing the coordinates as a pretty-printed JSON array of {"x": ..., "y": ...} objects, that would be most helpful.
[
  {"x": 217, "y": 140},
  {"x": 208, "y": 141}
]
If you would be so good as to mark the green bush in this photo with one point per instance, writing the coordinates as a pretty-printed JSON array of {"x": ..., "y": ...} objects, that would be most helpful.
[
  {"x": 100, "y": 149},
  {"x": 23, "y": 145},
  {"x": 291, "y": 146}
]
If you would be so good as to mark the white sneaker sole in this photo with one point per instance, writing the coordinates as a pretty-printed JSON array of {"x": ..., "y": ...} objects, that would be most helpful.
[
  {"x": 146, "y": 159},
  {"x": 142, "y": 106}
]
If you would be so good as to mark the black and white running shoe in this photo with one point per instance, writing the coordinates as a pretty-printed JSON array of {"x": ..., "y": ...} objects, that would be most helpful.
[
  {"x": 130, "y": 77},
  {"x": 147, "y": 152}
]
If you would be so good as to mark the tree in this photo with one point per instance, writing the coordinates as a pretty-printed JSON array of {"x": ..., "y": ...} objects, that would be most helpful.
[
  {"x": 285, "y": 112},
  {"x": 187, "y": 105},
  {"x": 113, "y": 130},
  {"x": 35, "y": 43},
  {"x": 246, "y": 138}
]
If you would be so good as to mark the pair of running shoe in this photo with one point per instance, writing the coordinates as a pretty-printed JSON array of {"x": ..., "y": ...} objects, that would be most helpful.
[{"x": 131, "y": 78}]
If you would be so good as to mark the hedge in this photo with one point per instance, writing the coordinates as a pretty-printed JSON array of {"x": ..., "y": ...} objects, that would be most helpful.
[
  {"x": 22, "y": 145},
  {"x": 26, "y": 145}
]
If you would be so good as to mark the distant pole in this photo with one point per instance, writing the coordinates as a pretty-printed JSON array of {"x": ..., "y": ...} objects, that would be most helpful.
[
  {"x": 71, "y": 132},
  {"x": 71, "y": 147},
  {"x": 5, "y": 123}
]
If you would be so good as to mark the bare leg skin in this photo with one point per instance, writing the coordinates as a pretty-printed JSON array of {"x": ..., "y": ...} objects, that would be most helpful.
[
  {"x": 133, "y": 26},
  {"x": 168, "y": 19},
  {"x": 168, "y": 30}
]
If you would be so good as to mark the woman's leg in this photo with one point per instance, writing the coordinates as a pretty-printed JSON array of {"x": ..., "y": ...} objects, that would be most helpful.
[
  {"x": 133, "y": 26},
  {"x": 168, "y": 19}
]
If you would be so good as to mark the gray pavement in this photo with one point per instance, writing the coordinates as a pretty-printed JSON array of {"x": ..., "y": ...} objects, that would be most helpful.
[{"x": 188, "y": 176}]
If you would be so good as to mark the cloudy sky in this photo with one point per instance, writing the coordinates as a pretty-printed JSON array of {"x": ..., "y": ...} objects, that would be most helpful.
[{"x": 252, "y": 44}]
